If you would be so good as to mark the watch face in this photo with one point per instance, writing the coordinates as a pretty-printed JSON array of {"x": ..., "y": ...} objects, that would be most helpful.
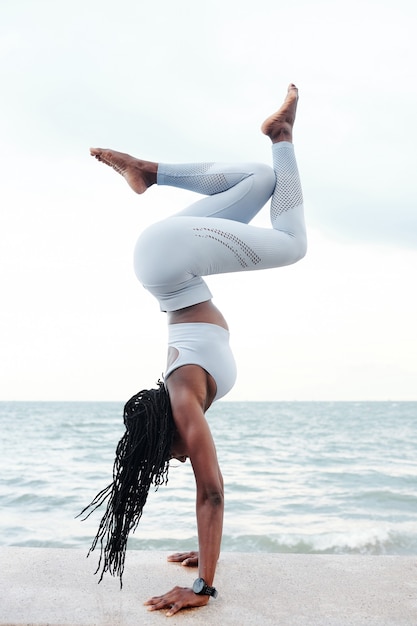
[{"x": 199, "y": 585}]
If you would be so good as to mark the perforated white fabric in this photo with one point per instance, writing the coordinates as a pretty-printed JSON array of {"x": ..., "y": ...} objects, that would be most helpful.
[
  {"x": 288, "y": 193},
  {"x": 200, "y": 177}
]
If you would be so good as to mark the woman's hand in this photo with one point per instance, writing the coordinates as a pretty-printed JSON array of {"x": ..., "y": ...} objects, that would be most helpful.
[
  {"x": 175, "y": 600},
  {"x": 189, "y": 559}
]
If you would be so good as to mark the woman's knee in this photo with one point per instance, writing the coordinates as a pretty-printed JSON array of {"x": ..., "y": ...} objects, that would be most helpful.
[
  {"x": 265, "y": 175},
  {"x": 263, "y": 182},
  {"x": 299, "y": 247}
]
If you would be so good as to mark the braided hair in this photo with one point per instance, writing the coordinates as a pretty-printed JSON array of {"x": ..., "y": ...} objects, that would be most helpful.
[{"x": 142, "y": 459}]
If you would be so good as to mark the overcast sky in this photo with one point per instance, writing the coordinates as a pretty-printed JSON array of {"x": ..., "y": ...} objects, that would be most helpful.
[{"x": 190, "y": 81}]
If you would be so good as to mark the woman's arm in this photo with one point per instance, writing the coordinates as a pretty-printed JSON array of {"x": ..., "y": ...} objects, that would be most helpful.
[
  {"x": 210, "y": 500},
  {"x": 189, "y": 390}
]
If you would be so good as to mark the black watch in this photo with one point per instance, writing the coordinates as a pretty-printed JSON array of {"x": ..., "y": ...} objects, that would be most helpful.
[{"x": 201, "y": 588}]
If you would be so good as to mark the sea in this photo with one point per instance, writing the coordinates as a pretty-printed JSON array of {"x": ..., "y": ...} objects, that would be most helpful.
[{"x": 300, "y": 477}]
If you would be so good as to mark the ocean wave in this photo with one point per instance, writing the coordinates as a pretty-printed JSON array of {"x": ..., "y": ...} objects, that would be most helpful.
[{"x": 377, "y": 542}]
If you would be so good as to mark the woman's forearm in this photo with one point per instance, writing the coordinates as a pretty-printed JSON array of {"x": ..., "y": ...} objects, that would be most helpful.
[{"x": 210, "y": 509}]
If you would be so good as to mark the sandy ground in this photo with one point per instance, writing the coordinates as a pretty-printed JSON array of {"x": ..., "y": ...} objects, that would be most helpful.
[{"x": 40, "y": 586}]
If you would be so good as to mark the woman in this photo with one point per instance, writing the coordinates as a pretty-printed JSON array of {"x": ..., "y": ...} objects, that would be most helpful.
[{"x": 211, "y": 236}]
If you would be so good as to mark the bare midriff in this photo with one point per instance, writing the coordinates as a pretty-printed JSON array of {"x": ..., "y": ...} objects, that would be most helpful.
[{"x": 203, "y": 313}]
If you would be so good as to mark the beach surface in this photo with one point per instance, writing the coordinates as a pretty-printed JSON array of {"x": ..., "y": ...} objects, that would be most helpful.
[{"x": 43, "y": 586}]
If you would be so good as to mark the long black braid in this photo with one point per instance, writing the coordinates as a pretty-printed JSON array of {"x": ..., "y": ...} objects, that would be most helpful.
[{"x": 142, "y": 459}]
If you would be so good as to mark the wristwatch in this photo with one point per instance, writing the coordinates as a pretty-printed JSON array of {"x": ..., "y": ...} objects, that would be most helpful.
[{"x": 201, "y": 588}]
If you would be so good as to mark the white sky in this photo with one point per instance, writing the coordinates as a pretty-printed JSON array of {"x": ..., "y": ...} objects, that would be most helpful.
[{"x": 190, "y": 81}]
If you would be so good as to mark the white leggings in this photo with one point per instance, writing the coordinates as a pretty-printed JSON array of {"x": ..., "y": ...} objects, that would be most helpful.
[{"x": 213, "y": 236}]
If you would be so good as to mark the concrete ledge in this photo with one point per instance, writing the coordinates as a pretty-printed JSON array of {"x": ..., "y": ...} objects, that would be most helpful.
[{"x": 56, "y": 588}]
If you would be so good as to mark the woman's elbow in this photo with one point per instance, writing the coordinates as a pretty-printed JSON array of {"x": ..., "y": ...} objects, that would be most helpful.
[{"x": 212, "y": 497}]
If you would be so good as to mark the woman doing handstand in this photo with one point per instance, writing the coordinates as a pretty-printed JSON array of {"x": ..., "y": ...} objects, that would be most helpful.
[{"x": 211, "y": 236}]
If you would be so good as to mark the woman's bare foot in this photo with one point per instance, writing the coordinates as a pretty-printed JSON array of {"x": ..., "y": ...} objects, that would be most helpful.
[
  {"x": 278, "y": 126},
  {"x": 139, "y": 174}
]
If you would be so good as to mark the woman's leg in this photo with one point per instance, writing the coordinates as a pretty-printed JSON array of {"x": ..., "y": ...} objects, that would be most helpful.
[
  {"x": 212, "y": 236},
  {"x": 233, "y": 191},
  {"x": 172, "y": 256}
]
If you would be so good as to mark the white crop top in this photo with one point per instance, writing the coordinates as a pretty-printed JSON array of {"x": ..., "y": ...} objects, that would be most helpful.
[{"x": 205, "y": 345}]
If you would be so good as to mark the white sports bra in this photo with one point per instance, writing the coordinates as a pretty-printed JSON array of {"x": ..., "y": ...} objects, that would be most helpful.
[{"x": 205, "y": 345}]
